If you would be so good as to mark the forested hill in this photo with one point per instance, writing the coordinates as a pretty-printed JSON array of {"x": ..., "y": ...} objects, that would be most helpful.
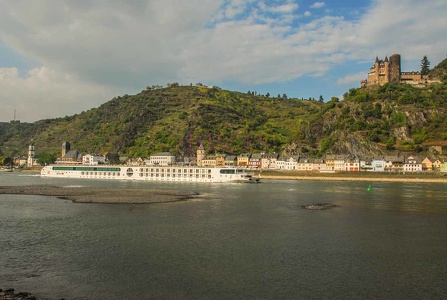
[{"x": 394, "y": 117}]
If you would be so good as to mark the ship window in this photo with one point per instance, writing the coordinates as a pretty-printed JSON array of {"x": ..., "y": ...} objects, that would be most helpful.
[
  {"x": 129, "y": 172},
  {"x": 227, "y": 171}
]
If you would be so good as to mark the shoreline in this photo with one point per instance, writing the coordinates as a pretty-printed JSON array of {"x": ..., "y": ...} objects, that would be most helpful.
[
  {"x": 101, "y": 195},
  {"x": 332, "y": 177}
]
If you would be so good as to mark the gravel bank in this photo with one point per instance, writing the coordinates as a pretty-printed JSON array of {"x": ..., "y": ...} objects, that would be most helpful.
[{"x": 101, "y": 195}]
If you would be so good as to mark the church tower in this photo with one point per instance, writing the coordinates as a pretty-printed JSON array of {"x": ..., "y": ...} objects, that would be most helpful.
[
  {"x": 65, "y": 148},
  {"x": 200, "y": 155},
  {"x": 31, "y": 154}
]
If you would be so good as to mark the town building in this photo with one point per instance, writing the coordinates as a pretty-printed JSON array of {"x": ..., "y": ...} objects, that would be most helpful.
[
  {"x": 162, "y": 159},
  {"x": 287, "y": 162},
  {"x": 93, "y": 159},
  {"x": 255, "y": 161}
]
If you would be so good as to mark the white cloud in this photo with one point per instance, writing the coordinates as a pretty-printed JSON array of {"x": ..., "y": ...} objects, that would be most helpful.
[
  {"x": 116, "y": 45},
  {"x": 317, "y": 5},
  {"x": 352, "y": 78},
  {"x": 307, "y": 13},
  {"x": 45, "y": 93}
]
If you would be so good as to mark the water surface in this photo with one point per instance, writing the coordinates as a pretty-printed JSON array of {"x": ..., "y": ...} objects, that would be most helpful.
[{"x": 241, "y": 241}]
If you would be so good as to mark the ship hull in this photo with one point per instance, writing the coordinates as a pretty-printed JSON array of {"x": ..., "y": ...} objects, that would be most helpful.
[{"x": 145, "y": 173}]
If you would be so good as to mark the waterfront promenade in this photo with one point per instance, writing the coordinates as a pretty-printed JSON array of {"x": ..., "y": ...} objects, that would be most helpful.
[{"x": 353, "y": 176}]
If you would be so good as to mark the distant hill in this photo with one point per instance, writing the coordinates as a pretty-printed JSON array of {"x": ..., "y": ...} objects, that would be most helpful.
[{"x": 368, "y": 122}]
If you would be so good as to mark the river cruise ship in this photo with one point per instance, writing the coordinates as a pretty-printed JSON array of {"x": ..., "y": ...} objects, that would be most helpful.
[{"x": 146, "y": 173}]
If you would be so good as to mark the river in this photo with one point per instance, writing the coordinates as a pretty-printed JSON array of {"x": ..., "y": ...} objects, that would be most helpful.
[{"x": 249, "y": 241}]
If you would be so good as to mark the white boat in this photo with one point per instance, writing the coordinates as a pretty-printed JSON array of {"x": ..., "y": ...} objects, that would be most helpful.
[
  {"x": 152, "y": 173},
  {"x": 5, "y": 170}
]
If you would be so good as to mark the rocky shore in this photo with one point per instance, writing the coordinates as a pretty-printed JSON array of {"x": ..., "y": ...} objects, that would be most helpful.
[
  {"x": 9, "y": 294},
  {"x": 101, "y": 195}
]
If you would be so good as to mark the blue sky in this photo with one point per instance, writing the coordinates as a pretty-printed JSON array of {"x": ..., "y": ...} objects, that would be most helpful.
[{"x": 60, "y": 58}]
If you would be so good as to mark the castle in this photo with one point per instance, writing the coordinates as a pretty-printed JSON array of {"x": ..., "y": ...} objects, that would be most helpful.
[{"x": 389, "y": 71}]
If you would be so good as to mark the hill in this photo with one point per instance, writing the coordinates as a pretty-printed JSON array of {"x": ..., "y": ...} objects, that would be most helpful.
[{"x": 367, "y": 122}]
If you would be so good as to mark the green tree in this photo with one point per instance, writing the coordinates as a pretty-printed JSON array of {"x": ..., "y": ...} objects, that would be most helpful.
[
  {"x": 46, "y": 158},
  {"x": 321, "y": 99},
  {"x": 425, "y": 65}
]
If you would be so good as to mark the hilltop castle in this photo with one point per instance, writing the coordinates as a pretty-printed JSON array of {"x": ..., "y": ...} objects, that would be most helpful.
[{"x": 389, "y": 71}]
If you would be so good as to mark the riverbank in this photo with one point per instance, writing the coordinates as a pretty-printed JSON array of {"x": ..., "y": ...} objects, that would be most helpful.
[
  {"x": 101, "y": 195},
  {"x": 349, "y": 176}
]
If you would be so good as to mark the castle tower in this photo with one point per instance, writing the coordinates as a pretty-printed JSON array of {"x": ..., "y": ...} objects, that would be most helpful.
[
  {"x": 65, "y": 148},
  {"x": 31, "y": 154},
  {"x": 200, "y": 155},
  {"x": 395, "y": 68},
  {"x": 386, "y": 68}
]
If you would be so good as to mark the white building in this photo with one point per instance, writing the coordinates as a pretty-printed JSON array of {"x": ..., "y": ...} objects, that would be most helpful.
[
  {"x": 93, "y": 159},
  {"x": 286, "y": 163},
  {"x": 162, "y": 159},
  {"x": 378, "y": 165},
  {"x": 412, "y": 164}
]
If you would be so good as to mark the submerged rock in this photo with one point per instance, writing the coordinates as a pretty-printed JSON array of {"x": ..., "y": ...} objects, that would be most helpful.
[{"x": 319, "y": 206}]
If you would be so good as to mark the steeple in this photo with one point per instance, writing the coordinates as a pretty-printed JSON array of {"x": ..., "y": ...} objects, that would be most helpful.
[{"x": 200, "y": 154}]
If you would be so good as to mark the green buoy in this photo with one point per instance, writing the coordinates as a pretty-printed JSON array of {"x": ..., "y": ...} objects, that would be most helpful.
[{"x": 369, "y": 188}]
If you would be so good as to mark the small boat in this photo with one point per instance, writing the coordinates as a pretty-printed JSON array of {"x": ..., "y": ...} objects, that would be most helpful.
[{"x": 5, "y": 170}]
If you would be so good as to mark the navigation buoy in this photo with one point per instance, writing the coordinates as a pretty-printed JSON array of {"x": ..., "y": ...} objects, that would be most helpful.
[{"x": 369, "y": 188}]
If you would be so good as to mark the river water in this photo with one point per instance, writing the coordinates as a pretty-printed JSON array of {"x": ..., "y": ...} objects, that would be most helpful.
[{"x": 249, "y": 241}]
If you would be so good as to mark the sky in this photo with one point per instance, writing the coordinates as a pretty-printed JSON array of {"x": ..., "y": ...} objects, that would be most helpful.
[{"x": 62, "y": 57}]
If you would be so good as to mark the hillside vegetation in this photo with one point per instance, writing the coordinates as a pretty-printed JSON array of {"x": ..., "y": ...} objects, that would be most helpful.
[{"x": 367, "y": 122}]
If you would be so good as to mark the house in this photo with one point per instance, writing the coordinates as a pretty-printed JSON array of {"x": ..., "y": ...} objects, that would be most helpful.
[
  {"x": 352, "y": 163},
  {"x": 427, "y": 164},
  {"x": 412, "y": 164},
  {"x": 305, "y": 164},
  {"x": 162, "y": 159},
  {"x": 135, "y": 162},
  {"x": 220, "y": 159},
  {"x": 255, "y": 161},
  {"x": 378, "y": 164},
  {"x": 330, "y": 161},
  {"x": 123, "y": 160},
  {"x": 209, "y": 161},
  {"x": 243, "y": 159},
  {"x": 339, "y": 162},
  {"x": 394, "y": 163},
  {"x": 287, "y": 162},
  {"x": 230, "y": 161},
  {"x": 437, "y": 164},
  {"x": 93, "y": 159},
  {"x": 319, "y": 165},
  {"x": 268, "y": 161}
]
